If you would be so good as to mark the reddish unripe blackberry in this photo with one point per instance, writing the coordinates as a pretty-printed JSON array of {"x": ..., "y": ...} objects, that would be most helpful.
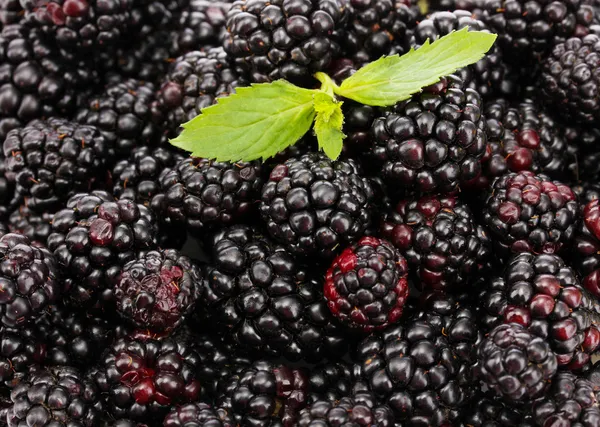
[
  {"x": 515, "y": 363},
  {"x": 365, "y": 286},
  {"x": 36, "y": 227},
  {"x": 198, "y": 415},
  {"x": 20, "y": 349},
  {"x": 433, "y": 141},
  {"x": 542, "y": 294},
  {"x": 439, "y": 238},
  {"x": 30, "y": 280},
  {"x": 53, "y": 159},
  {"x": 526, "y": 212},
  {"x": 158, "y": 289}
]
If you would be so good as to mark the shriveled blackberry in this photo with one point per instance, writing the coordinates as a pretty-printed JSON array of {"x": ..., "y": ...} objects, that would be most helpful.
[
  {"x": 312, "y": 204},
  {"x": 440, "y": 239},
  {"x": 530, "y": 213},
  {"x": 544, "y": 295},
  {"x": 570, "y": 401},
  {"x": 195, "y": 81},
  {"x": 285, "y": 39},
  {"x": 366, "y": 285},
  {"x": 55, "y": 396},
  {"x": 36, "y": 227},
  {"x": 200, "y": 193},
  {"x": 433, "y": 141},
  {"x": 140, "y": 378},
  {"x": 515, "y": 363},
  {"x": 570, "y": 81},
  {"x": 330, "y": 381},
  {"x": 422, "y": 368},
  {"x": 53, "y": 159},
  {"x": 126, "y": 115},
  {"x": 490, "y": 411},
  {"x": 20, "y": 349},
  {"x": 267, "y": 300},
  {"x": 265, "y": 393},
  {"x": 201, "y": 24},
  {"x": 93, "y": 238}
]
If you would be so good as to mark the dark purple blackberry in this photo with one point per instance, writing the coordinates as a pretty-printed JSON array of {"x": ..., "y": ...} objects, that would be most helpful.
[
  {"x": 20, "y": 349},
  {"x": 34, "y": 81},
  {"x": 198, "y": 415},
  {"x": 11, "y": 12},
  {"x": 330, "y": 381},
  {"x": 36, "y": 227},
  {"x": 490, "y": 411},
  {"x": 570, "y": 81},
  {"x": 440, "y": 239},
  {"x": 312, "y": 204},
  {"x": 266, "y": 300},
  {"x": 433, "y": 141},
  {"x": 195, "y": 81},
  {"x": 422, "y": 368},
  {"x": 285, "y": 39},
  {"x": 366, "y": 285},
  {"x": 49, "y": 397},
  {"x": 141, "y": 378},
  {"x": 53, "y": 159},
  {"x": 586, "y": 246},
  {"x": 201, "y": 25},
  {"x": 200, "y": 194},
  {"x": 30, "y": 280},
  {"x": 264, "y": 394},
  {"x": 474, "y": 6},
  {"x": 158, "y": 289},
  {"x": 93, "y": 238},
  {"x": 126, "y": 115},
  {"x": 542, "y": 294},
  {"x": 530, "y": 213},
  {"x": 8, "y": 200},
  {"x": 587, "y": 192},
  {"x": 123, "y": 422},
  {"x": 515, "y": 363}
]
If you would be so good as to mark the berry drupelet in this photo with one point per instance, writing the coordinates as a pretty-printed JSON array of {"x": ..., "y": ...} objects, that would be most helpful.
[
  {"x": 366, "y": 285},
  {"x": 198, "y": 415},
  {"x": 330, "y": 382},
  {"x": 20, "y": 349},
  {"x": 312, "y": 204},
  {"x": 36, "y": 227},
  {"x": 439, "y": 238},
  {"x": 201, "y": 25},
  {"x": 530, "y": 213}
]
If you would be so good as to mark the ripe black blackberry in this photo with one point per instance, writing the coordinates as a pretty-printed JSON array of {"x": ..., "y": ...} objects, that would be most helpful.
[
  {"x": 542, "y": 294},
  {"x": 440, "y": 239},
  {"x": 285, "y": 39},
  {"x": 569, "y": 81},
  {"x": 10, "y": 12},
  {"x": 195, "y": 81},
  {"x": 330, "y": 382},
  {"x": 36, "y": 227},
  {"x": 586, "y": 246},
  {"x": 265, "y": 393},
  {"x": 93, "y": 238},
  {"x": 587, "y": 192},
  {"x": 433, "y": 141},
  {"x": 266, "y": 300},
  {"x": 126, "y": 115},
  {"x": 200, "y": 193},
  {"x": 201, "y": 25},
  {"x": 366, "y": 285},
  {"x": 47, "y": 397},
  {"x": 515, "y": 363},
  {"x": 530, "y": 213},
  {"x": 20, "y": 349},
  {"x": 198, "y": 414},
  {"x": 53, "y": 159},
  {"x": 490, "y": 411},
  {"x": 141, "y": 377},
  {"x": 474, "y": 6},
  {"x": 422, "y": 368},
  {"x": 312, "y": 204}
]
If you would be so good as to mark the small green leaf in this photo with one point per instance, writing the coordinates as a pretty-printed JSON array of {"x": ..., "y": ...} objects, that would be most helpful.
[
  {"x": 256, "y": 122},
  {"x": 328, "y": 124},
  {"x": 392, "y": 79}
]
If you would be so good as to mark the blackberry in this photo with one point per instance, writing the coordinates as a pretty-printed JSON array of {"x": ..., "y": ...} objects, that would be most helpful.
[
  {"x": 195, "y": 81},
  {"x": 285, "y": 39},
  {"x": 20, "y": 349},
  {"x": 587, "y": 192},
  {"x": 515, "y": 363},
  {"x": 158, "y": 289},
  {"x": 474, "y": 6},
  {"x": 569, "y": 81},
  {"x": 530, "y": 213},
  {"x": 542, "y": 294},
  {"x": 93, "y": 238},
  {"x": 201, "y": 24},
  {"x": 10, "y": 12},
  {"x": 140, "y": 378},
  {"x": 312, "y": 204},
  {"x": 198, "y": 415},
  {"x": 490, "y": 411},
  {"x": 422, "y": 368},
  {"x": 54, "y": 396},
  {"x": 586, "y": 247},
  {"x": 36, "y": 227},
  {"x": 53, "y": 159},
  {"x": 433, "y": 141},
  {"x": 126, "y": 115},
  {"x": 365, "y": 286},
  {"x": 439, "y": 238},
  {"x": 264, "y": 394},
  {"x": 266, "y": 300},
  {"x": 330, "y": 382}
]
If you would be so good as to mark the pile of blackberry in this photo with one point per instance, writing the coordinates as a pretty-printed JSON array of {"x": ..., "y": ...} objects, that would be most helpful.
[{"x": 443, "y": 271}]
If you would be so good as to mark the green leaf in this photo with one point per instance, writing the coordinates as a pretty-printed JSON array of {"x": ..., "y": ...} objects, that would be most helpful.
[
  {"x": 328, "y": 124},
  {"x": 256, "y": 122},
  {"x": 392, "y": 79}
]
